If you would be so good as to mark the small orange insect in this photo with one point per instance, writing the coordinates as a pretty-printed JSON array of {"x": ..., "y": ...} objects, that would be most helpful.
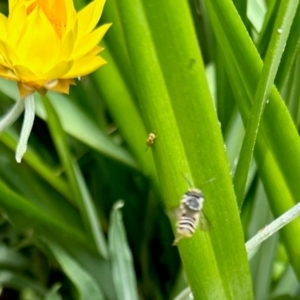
[{"x": 150, "y": 140}]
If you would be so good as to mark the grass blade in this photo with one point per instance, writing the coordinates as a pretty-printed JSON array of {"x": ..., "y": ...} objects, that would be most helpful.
[
  {"x": 277, "y": 150},
  {"x": 77, "y": 184},
  {"x": 85, "y": 285},
  {"x": 273, "y": 57},
  {"x": 175, "y": 100},
  {"x": 121, "y": 258}
]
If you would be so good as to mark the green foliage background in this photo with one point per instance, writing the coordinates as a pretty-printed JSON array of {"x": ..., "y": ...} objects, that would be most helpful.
[{"x": 84, "y": 214}]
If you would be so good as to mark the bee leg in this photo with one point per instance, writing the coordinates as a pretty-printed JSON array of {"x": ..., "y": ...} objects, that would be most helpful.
[{"x": 177, "y": 239}]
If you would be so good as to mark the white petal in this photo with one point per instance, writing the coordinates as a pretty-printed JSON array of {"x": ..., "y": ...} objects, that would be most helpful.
[
  {"x": 12, "y": 115},
  {"x": 26, "y": 127}
]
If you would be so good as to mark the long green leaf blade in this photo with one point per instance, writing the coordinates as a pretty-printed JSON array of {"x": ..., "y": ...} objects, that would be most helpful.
[
  {"x": 279, "y": 37},
  {"x": 175, "y": 101},
  {"x": 26, "y": 215},
  {"x": 121, "y": 257},
  {"x": 86, "y": 286},
  {"x": 77, "y": 184},
  {"x": 277, "y": 150}
]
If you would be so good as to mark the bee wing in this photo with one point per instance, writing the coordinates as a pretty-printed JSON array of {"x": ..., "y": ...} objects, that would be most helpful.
[
  {"x": 204, "y": 224},
  {"x": 174, "y": 213}
]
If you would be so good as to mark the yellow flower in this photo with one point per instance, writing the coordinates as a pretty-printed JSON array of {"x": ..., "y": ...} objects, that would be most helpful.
[{"x": 45, "y": 44}]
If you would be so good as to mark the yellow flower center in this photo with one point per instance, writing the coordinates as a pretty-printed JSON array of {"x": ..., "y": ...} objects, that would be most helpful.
[{"x": 54, "y": 10}]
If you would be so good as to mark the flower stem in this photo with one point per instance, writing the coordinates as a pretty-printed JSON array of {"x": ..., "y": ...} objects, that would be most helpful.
[
  {"x": 12, "y": 115},
  {"x": 27, "y": 126},
  {"x": 270, "y": 229}
]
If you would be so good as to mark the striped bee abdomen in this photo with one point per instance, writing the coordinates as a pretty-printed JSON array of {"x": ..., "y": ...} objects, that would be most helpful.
[
  {"x": 188, "y": 215},
  {"x": 186, "y": 226}
]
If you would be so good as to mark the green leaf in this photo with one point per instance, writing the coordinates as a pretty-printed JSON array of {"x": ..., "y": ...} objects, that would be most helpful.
[
  {"x": 121, "y": 257},
  {"x": 35, "y": 162},
  {"x": 85, "y": 284},
  {"x": 77, "y": 184},
  {"x": 293, "y": 91},
  {"x": 174, "y": 100},
  {"x": 290, "y": 51},
  {"x": 119, "y": 99},
  {"x": 18, "y": 281},
  {"x": 277, "y": 151},
  {"x": 262, "y": 263},
  {"x": 53, "y": 293},
  {"x": 26, "y": 215},
  {"x": 271, "y": 63}
]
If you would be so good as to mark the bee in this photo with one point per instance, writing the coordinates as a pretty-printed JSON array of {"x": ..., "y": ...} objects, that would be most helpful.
[
  {"x": 150, "y": 139},
  {"x": 189, "y": 214}
]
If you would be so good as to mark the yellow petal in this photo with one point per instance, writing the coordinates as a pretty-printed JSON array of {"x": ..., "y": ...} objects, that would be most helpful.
[
  {"x": 67, "y": 45},
  {"x": 95, "y": 51},
  {"x": 8, "y": 55},
  {"x": 89, "y": 16},
  {"x": 24, "y": 73},
  {"x": 71, "y": 15},
  {"x": 7, "y": 73},
  {"x": 85, "y": 66},
  {"x": 59, "y": 70},
  {"x": 3, "y": 55},
  {"x": 12, "y": 4},
  {"x": 3, "y": 24},
  {"x": 88, "y": 42},
  {"x": 39, "y": 45},
  {"x": 25, "y": 90},
  {"x": 16, "y": 23},
  {"x": 63, "y": 86}
]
